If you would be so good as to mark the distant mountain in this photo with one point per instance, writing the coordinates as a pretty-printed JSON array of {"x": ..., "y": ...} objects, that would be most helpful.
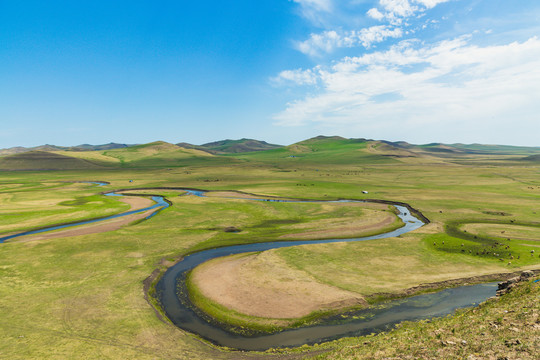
[
  {"x": 321, "y": 139},
  {"x": 160, "y": 154},
  {"x": 21, "y": 149},
  {"x": 186, "y": 145},
  {"x": 42, "y": 160},
  {"x": 47, "y": 147},
  {"x": 13, "y": 150},
  {"x": 497, "y": 149},
  {"x": 237, "y": 146},
  {"x": 387, "y": 149},
  {"x": 320, "y": 150},
  {"x": 88, "y": 147}
]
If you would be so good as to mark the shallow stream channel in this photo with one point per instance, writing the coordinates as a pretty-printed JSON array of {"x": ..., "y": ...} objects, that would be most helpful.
[
  {"x": 178, "y": 308},
  {"x": 175, "y": 302},
  {"x": 159, "y": 204}
]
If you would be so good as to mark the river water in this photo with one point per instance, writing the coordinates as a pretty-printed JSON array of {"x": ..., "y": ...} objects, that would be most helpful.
[
  {"x": 175, "y": 301},
  {"x": 160, "y": 204},
  {"x": 180, "y": 311}
]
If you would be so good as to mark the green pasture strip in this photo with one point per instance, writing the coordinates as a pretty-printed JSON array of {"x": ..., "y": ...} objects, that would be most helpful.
[
  {"x": 46, "y": 205},
  {"x": 514, "y": 253},
  {"x": 383, "y": 266},
  {"x": 267, "y": 221}
]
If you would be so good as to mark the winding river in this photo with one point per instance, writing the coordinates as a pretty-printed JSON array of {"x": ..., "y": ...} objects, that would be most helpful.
[
  {"x": 159, "y": 204},
  {"x": 178, "y": 308},
  {"x": 176, "y": 305}
]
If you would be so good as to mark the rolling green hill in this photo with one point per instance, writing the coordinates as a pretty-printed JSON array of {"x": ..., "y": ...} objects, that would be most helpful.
[
  {"x": 323, "y": 150},
  {"x": 497, "y": 149},
  {"x": 42, "y": 160},
  {"x": 162, "y": 154},
  {"x": 333, "y": 150}
]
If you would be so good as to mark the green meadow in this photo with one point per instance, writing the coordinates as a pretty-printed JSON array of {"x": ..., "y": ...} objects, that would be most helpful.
[{"x": 83, "y": 296}]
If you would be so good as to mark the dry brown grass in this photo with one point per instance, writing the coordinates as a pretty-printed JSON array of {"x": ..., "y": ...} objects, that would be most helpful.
[
  {"x": 346, "y": 227},
  {"x": 261, "y": 285},
  {"x": 136, "y": 203},
  {"x": 514, "y": 232}
]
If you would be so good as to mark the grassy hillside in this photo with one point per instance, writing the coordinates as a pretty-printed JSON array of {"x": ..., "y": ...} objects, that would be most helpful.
[
  {"x": 238, "y": 146},
  {"x": 42, "y": 160},
  {"x": 161, "y": 154},
  {"x": 505, "y": 328},
  {"x": 324, "y": 151},
  {"x": 498, "y": 149}
]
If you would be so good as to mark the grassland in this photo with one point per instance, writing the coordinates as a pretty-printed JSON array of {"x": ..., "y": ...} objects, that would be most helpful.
[
  {"x": 505, "y": 328},
  {"x": 60, "y": 298},
  {"x": 29, "y": 205}
]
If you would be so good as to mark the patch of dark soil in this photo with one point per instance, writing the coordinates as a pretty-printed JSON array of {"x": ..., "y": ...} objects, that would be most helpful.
[{"x": 498, "y": 213}]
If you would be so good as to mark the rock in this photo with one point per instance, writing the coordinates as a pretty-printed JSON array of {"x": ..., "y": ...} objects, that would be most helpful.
[
  {"x": 512, "y": 342},
  {"x": 506, "y": 284},
  {"x": 526, "y": 274}
]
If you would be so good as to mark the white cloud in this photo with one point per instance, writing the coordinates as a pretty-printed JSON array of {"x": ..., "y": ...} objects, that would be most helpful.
[
  {"x": 297, "y": 77},
  {"x": 328, "y": 41},
  {"x": 402, "y": 8},
  {"x": 429, "y": 4},
  {"x": 450, "y": 85},
  {"x": 316, "y": 11},
  {"x": 375, "y": 14},
  {"x": 393, "y": 12},
  {"x": 317, "y": 5},
  {"x": 396, "y": 11}
]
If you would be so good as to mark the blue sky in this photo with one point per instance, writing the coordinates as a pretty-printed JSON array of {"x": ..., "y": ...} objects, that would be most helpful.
[{"x": 422, "y": 71}]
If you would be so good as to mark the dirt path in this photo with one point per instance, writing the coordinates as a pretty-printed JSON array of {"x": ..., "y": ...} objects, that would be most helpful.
[
  {"x": 135, "y": 202},
  {"x": 254, "y": 285}
]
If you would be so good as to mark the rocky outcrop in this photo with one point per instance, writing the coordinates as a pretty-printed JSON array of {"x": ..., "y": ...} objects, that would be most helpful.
[{"x": 506, "y": 286}]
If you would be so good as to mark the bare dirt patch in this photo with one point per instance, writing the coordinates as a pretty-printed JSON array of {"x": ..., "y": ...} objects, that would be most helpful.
[
  {"x": 253, "y": 285},
  {"x": 109, "y": 225},
  {"x": 136, "y": 203}
]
